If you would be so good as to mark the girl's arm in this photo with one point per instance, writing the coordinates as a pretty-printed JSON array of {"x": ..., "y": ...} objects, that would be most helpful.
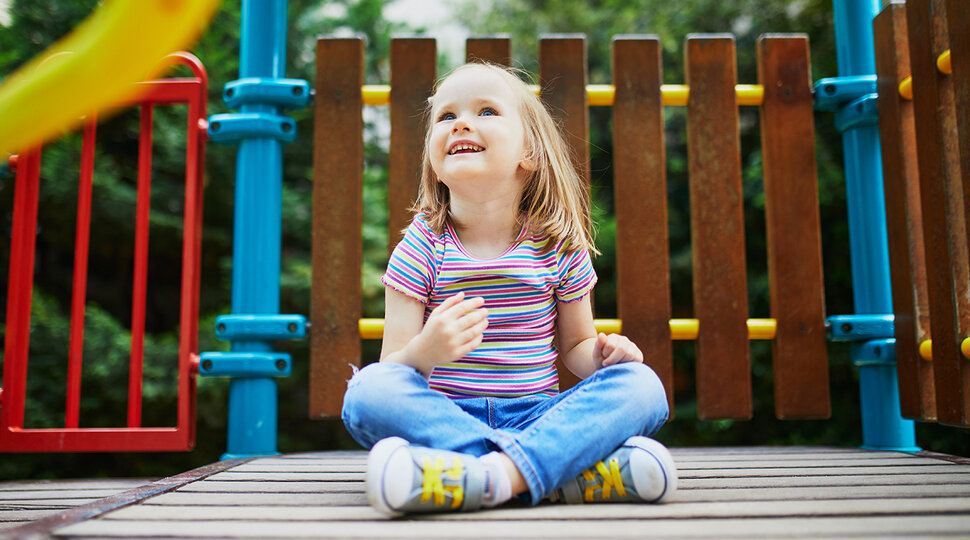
[
  {"x": 581, "y": 348},
  {"x": 454, "y": 329}
]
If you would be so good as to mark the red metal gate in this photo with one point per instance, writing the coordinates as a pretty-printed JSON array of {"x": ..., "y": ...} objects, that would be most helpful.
[{"x": 14, "y": 437}]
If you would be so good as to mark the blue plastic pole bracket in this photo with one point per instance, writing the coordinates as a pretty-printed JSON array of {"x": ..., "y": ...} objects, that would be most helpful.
[
  {"x": 245, "y": 364},
  {"x": 875, "y": 352},
  {"x": 832, "y": 93},
  {"x": 860, "y": 327},
  {"x": 232, "y": 128},
  {"x": 861, "y": 112},
  {"x": 260, "y": 327},
  {"x": 286, "y": 93}
]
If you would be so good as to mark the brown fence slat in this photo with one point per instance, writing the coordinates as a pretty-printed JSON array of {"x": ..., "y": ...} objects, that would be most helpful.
[
  {"x": 958, "y": 17},
  {"x": 799, "y": 350},
  {"x": 717, "y": 229},
  {"x": 413, "y": 73},
  {"x": 640, "y": 195},
  {"x": 942, "y": 202},
  {"x": 562, "y": 75},
  {"x": 491, "y": 49},
  {"x": 903, "y": 216},
  {"x": 338, "y": 165}
]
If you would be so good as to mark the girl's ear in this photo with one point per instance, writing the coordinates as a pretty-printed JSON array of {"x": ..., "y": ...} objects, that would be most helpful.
[{"x": 529, "y": 161}]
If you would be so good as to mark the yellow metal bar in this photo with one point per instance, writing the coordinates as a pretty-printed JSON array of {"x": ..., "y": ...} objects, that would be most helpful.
[
  {"x": 609, "y": 326},
  {"x": 376, "y": 94},
  {"x": 762, "y": 328},
  {"x": 680, "y": 329},
  {"x": 371, "y": 328},
  {"x": 684, "y": 328},
  {"x": 926, "y": 349},
  {"x": 942, "y": 63},
  {"x": 674, "y": 94},
  {"x": 750, "y": 94},
  {"x": 906, "y": 88},
  {"x": 599, "y": 94}
]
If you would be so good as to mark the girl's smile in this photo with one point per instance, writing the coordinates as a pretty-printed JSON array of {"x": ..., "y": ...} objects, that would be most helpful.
[{"x": 464, "y": 147}]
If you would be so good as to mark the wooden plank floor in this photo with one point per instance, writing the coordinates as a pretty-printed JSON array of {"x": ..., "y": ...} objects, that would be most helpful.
[
  {"x": 25, "y": 501},
  {"x": 724, "y": 492}
]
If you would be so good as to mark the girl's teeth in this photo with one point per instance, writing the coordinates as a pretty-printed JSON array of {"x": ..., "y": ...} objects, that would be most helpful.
[{"x": 464, "y": 147}]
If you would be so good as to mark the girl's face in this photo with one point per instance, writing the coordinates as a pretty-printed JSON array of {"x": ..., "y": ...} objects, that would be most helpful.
[{"x": 477, "y": 133}]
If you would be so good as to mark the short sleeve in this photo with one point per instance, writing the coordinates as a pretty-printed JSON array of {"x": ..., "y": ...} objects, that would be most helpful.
[
  {"x": 576, "y": 276},
  {"x": 411, "y": 267}
]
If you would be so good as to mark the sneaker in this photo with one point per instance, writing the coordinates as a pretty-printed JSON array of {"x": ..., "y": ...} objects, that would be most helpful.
[
  {"x": 407, "y": 479},
  {"x": 641, "y": 470}
]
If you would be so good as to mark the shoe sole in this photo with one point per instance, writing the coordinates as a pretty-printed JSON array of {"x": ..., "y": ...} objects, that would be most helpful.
[
  {"x": 377, "y": 459},
  {"x": 666, "y": 461}
]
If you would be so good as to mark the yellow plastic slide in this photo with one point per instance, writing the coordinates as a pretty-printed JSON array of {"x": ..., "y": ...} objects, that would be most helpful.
[{"x": 95, "y": 67}]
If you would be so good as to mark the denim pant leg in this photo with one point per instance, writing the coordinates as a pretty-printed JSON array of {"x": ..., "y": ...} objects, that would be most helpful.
[
  {"x": 393, "y": 400},
  {"x": 550, "y": 440},
  {"x": 568, "y": 433}
]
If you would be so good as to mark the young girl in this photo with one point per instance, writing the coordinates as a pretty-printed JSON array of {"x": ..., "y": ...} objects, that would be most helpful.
[{"x": 488, "y": 287}]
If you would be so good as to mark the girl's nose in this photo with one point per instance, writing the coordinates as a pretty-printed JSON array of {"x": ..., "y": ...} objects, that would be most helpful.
[{"x": 461, "y": 124}]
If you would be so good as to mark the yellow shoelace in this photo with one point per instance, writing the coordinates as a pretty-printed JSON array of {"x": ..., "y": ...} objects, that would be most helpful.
[
  {"x": 611, "y": 480},
  {"x": 433, "y": 486}
]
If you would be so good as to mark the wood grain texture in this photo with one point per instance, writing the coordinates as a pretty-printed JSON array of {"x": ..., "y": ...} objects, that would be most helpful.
[
  {"x": 904, "y": 221},
  {"x": 724, "y": 492},
  {"x": 413, "y": 74},
  {"x": 490, "y": 49},
  {"x": 337, "y": 246},
  {"x": 800, "y": 349},
  {"x": 942, "y": 199},
  {"x": 42, "y": 528},
  {"x": 958, "y": 30},
  {"x": 562, "y": 78},
  {"x": 717, "y": 229},
  {"x": 640, "y": 202},
  {"x": 727, "y": 509}
]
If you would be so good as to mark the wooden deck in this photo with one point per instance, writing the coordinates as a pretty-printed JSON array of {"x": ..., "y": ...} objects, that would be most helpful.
[
  {"x": 30, "y": 500},
  {"x": 724, "y": 492}
]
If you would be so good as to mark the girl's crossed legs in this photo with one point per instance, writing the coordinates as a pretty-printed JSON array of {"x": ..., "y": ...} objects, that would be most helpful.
[{"x": 549, "y": 439}]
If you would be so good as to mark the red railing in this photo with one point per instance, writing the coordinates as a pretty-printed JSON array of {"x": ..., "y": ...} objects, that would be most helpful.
[{"x": 72, "y": 438}]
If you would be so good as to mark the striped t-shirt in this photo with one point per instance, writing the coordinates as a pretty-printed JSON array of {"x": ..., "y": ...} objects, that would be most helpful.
[{"x": 520, "y": 287}]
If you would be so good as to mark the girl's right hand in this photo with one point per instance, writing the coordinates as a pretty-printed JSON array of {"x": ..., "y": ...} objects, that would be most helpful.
[{"x": 454, "y": 329}]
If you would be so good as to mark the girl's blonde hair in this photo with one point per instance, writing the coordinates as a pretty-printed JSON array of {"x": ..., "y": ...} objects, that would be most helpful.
[{"x": 554, "y": 200}]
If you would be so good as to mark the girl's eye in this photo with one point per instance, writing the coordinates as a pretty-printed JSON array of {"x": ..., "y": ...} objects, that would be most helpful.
[
  {"x": 446, "y": 116},
  {"x": 488, "y": 111}
]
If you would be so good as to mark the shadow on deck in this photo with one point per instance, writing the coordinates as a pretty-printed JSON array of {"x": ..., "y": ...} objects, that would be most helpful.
[{"x": 724, "y": 492}]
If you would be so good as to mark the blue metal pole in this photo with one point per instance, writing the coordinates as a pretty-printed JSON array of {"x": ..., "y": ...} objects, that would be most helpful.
[
  {"x": 882, "y": 425},
  {"x": 260, "y": 129},
  {"x": 257, "y": 229}
]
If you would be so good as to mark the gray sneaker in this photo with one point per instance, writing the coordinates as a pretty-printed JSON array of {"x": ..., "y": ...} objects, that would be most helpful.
[
  {"x": 641, "y": 470},
  {"x": 408, "y": 479}
]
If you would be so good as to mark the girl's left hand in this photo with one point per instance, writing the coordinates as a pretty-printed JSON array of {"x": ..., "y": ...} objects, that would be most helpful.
[{"x": 615, "y": 349}]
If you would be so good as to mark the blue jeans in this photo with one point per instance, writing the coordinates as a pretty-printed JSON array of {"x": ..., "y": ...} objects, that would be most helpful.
[{"x": 551, "y": 439}]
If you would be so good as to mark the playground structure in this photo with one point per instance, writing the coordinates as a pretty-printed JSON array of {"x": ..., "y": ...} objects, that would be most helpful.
[
  {"x": 101, "y": 60},
  {"x": 190, "y": 91},
  {"x": 797, "y": 326}
]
